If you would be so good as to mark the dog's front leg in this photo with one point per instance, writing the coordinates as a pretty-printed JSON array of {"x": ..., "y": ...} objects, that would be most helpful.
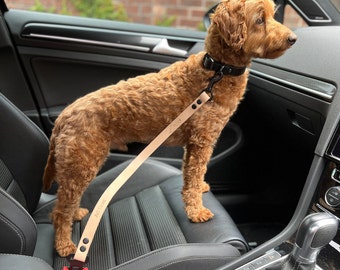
[{"x": 195, "y": 162}]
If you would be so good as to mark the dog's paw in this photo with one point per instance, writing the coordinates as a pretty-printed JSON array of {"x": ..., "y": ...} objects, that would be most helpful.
[
  {"x": 80, "y": 213},
  {"x": 65, "y": 248},
  {"x": 199, "y": 215},
  {"x": 205, "y": 187}
]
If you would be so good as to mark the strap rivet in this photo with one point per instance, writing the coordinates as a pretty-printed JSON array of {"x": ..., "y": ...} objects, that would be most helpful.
[
  {"x": 199, "y": 101},
  {"x": 82, "y": 249},
  {"x": 86, "y": 241},
  {"x": 194, "y": 106}
]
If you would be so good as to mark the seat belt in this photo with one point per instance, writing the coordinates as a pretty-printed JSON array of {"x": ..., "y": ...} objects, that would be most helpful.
[{"x": 79, "y": 260}]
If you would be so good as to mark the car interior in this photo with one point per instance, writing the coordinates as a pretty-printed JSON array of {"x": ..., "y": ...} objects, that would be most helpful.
[{"x": 276, "y": 162}]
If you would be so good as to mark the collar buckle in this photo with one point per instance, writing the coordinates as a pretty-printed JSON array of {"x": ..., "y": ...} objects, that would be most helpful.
[
  {"x": 226, "y": 70},
  {"x": 208, "y": 62}
]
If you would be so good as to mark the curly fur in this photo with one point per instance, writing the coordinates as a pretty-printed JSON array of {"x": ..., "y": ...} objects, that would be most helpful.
[{"x": 136, "y": 110}]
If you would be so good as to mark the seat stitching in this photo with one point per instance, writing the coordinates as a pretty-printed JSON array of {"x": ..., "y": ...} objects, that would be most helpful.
[
  {"x": 20, "y": 207},
  {"x": 14, "y": 228}
]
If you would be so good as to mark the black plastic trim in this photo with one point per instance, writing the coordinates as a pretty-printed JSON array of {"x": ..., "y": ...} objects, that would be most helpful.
[
  {"x": 102, "y": 37},
  {"x": 313, "y": 87},
  {"x": 91, "y": 36}
]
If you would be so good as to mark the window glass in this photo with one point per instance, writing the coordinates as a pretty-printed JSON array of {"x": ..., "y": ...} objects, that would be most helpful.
[
  {"x": 292, "y": 19},
  {"x": 336, "y": 3},
  {"x": 186, "y": 14}
]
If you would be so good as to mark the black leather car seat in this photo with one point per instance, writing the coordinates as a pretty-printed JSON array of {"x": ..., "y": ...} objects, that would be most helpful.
[{"x": 144, "y": 227}]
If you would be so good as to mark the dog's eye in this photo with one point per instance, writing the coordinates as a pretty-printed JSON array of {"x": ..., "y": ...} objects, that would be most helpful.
[{"x": 260, "y": 21}]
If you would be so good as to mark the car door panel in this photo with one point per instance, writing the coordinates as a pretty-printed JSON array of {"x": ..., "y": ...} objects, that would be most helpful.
[
  {"x": 66, "y": 57},
  {"x": 61, "y": 78}
]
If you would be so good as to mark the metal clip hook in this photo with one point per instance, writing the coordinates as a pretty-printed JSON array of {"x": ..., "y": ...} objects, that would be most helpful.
[{"x": 216, "y": 78}]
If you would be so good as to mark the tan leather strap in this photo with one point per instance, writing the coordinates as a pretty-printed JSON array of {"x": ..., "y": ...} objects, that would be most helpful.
[{"x": 98, "y": 211}]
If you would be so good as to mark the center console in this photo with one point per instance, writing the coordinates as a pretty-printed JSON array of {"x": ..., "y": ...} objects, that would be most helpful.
[{"x": 327, "y": 199}]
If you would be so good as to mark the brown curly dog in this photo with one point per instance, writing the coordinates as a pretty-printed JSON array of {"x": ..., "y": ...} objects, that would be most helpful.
[{"x": 136, "y": 110}]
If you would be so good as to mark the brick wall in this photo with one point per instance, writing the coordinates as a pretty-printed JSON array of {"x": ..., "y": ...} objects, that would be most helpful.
[
  {"x": 181, "y": 13},
  {"x": 184, "y": 13},
  {"x": 178, "y": 13},
  {"x": 27, "y": 4}
]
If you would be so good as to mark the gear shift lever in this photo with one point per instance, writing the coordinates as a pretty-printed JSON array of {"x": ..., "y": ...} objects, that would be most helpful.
[{"x": 315, "y": 231}]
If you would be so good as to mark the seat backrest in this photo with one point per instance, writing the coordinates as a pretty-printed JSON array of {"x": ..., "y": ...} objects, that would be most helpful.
[{"x": 23, "y": 154}]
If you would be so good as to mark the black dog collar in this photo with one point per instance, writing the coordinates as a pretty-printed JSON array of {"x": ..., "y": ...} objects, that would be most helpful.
[{"x": 210, "y": 63}]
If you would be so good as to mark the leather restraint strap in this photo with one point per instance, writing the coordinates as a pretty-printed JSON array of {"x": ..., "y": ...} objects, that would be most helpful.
[{"x": 93, "y": 222}]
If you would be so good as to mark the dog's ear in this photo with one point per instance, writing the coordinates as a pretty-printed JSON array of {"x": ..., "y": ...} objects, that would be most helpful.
[{"x": 229, "y": 18}]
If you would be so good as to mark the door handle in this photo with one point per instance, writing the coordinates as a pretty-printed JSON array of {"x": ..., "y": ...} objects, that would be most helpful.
[{"x": 163, "y": 47}]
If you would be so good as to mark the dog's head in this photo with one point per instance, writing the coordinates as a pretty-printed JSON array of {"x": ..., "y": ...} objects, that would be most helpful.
[{"x": 248, "y": 27}]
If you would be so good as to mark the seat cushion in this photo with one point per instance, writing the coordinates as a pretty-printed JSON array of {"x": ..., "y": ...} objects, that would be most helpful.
[
  {"x": 14, "y": 261},
  {"x": 145, "y": 218}
]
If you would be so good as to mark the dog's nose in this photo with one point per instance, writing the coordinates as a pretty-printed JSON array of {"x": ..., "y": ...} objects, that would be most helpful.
[{"x": 292, "y": 39}]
